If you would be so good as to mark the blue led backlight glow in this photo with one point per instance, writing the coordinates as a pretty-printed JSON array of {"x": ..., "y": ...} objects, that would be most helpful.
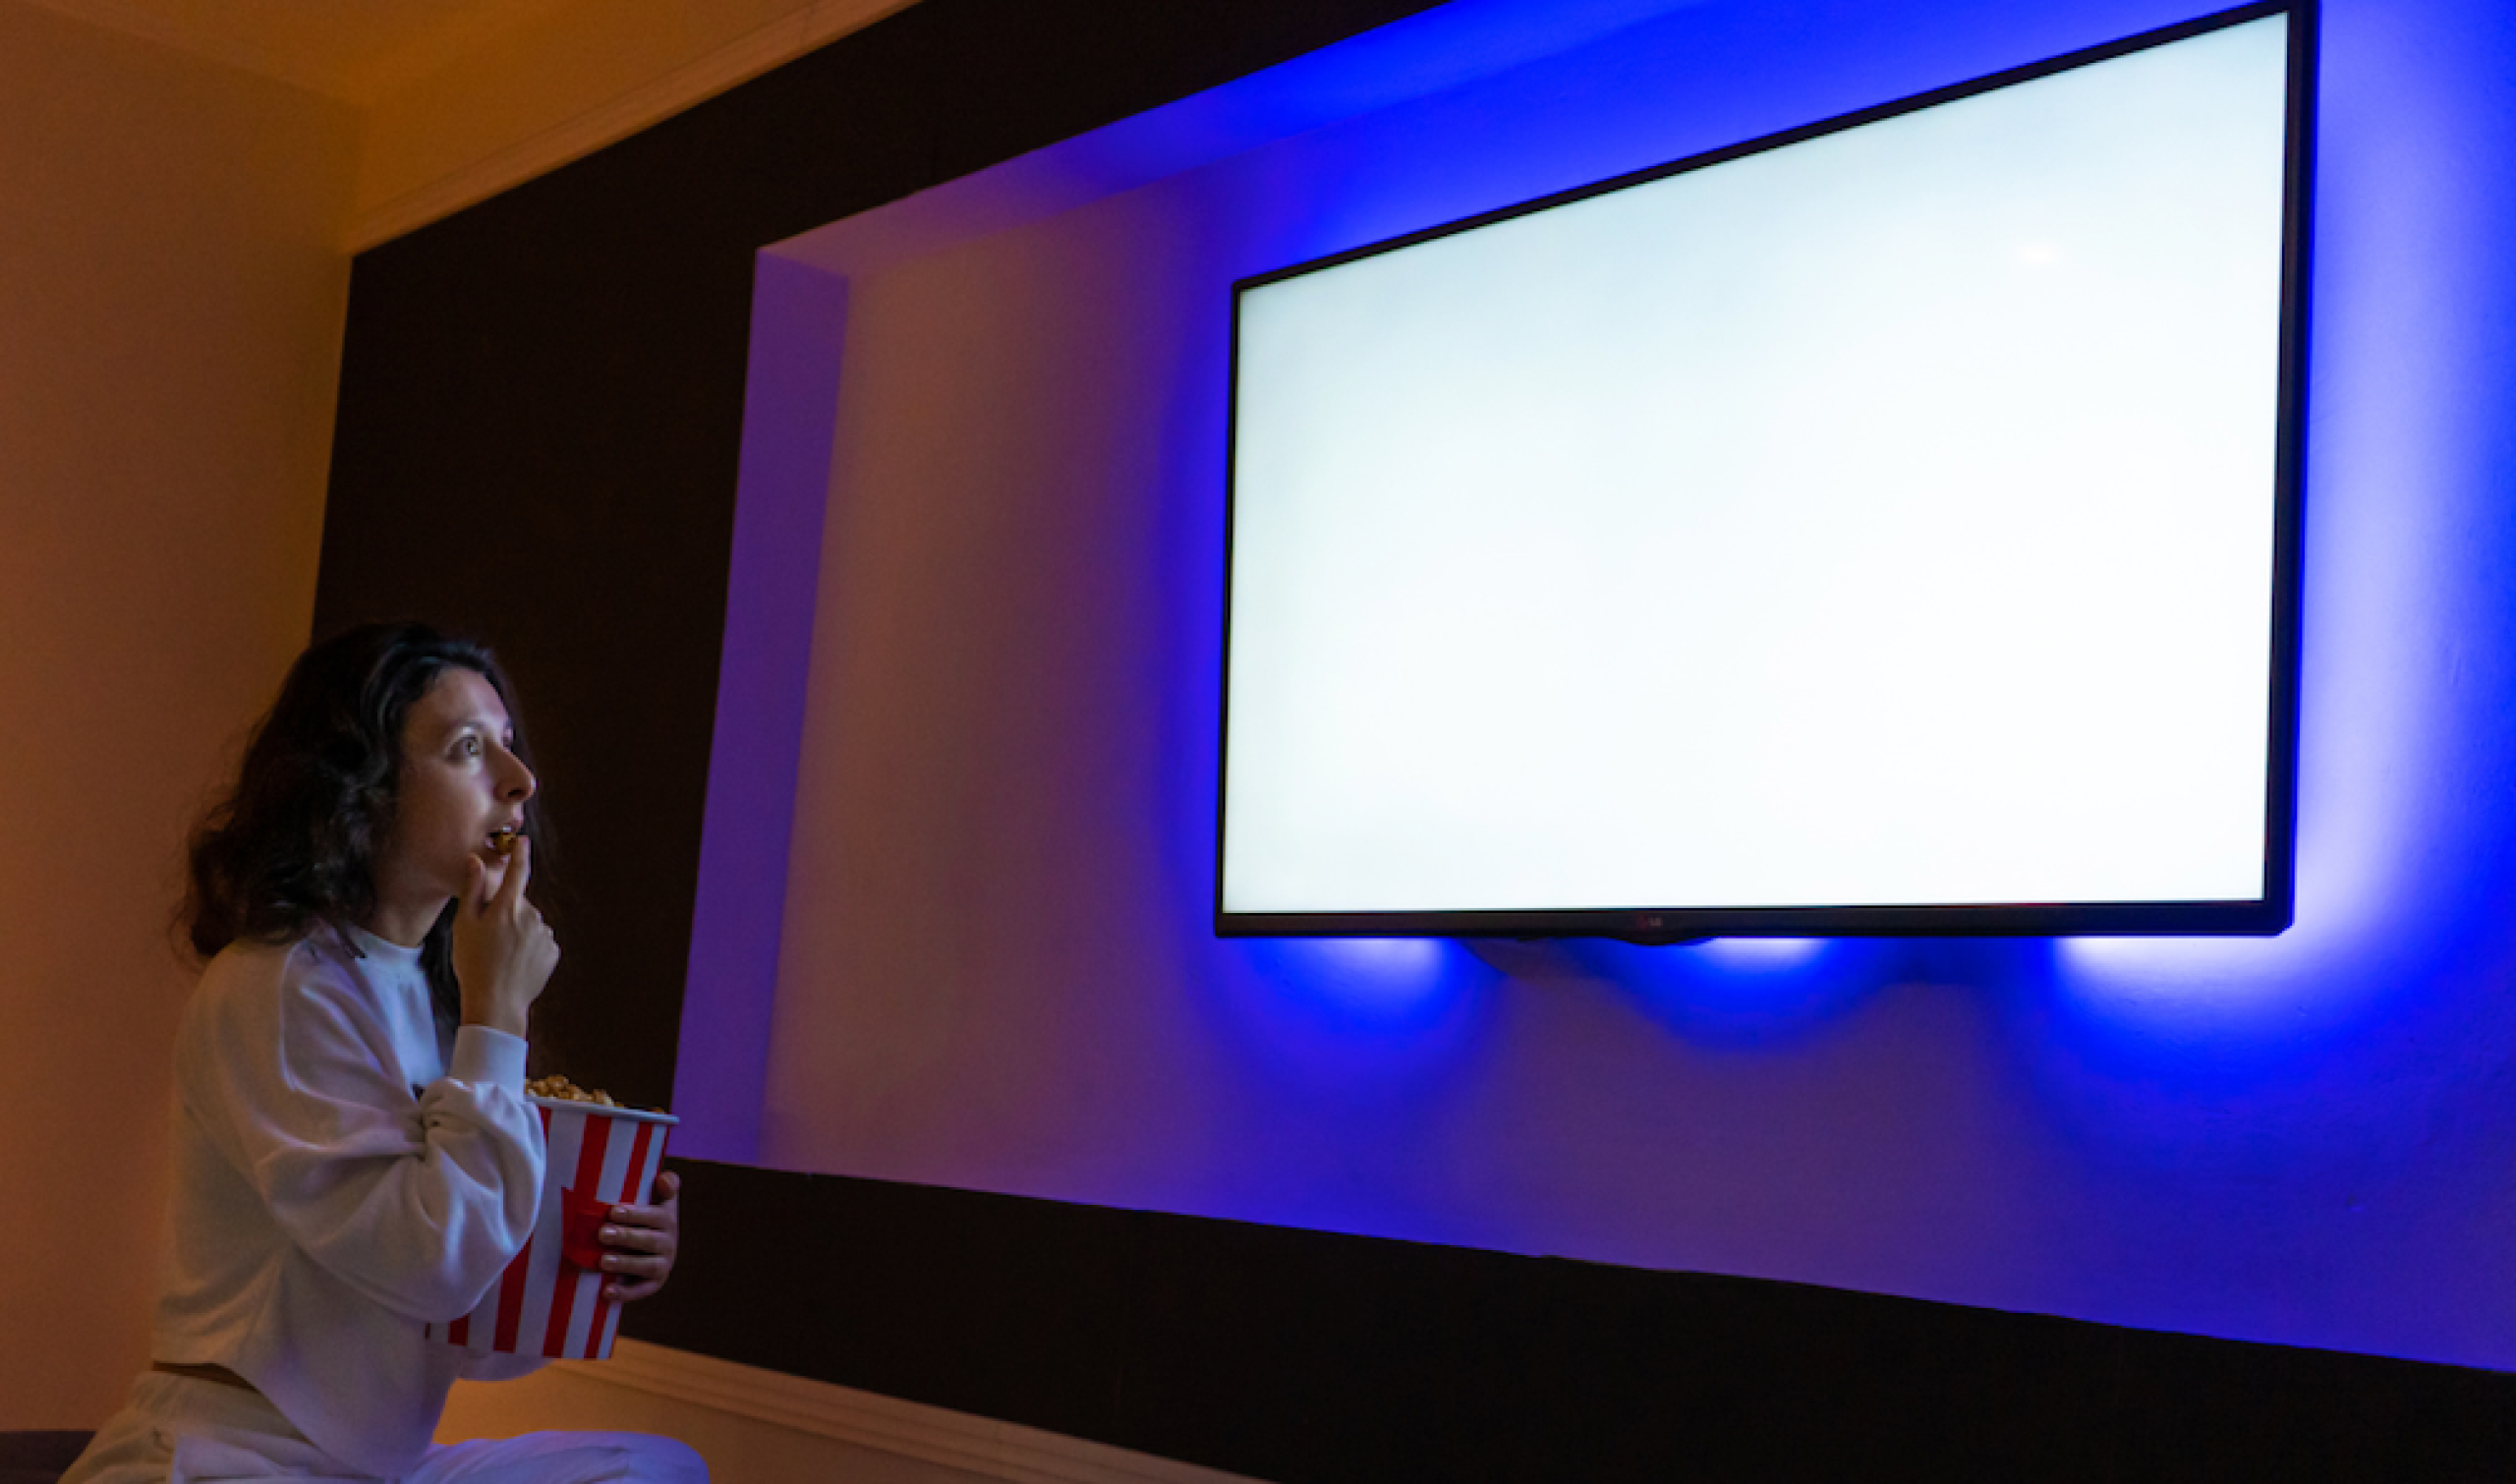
[
  {"x": 1388, "y": 981},
  {"x": 1355, "y": 1018},
  {"x": 1729, "y": 994},
  {"x": 1015, "y": 710},
  {"x": 1763, "y": 955},
  {"x": 2407, "y": 618}
]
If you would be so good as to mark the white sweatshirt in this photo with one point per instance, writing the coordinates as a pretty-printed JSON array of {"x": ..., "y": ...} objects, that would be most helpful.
[{"x": 340, "y": 1182}]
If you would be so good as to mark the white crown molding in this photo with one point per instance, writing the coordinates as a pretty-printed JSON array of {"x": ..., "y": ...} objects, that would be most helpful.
[
  {"x": 980, "y": 1446},
  {"x": 728, "y": 65}
]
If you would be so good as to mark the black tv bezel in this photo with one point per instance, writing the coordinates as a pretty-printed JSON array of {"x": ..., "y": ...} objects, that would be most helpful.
[{"x": 2268, "y": 914}]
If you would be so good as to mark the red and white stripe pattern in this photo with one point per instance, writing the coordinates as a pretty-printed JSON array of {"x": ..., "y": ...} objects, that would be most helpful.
[{"x": 546, "y": 1304}]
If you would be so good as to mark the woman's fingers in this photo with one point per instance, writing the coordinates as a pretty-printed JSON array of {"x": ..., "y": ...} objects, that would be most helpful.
[
  {"x": 641, "y": 1242},
  {"x": 503, "y": 951},
  {"x": 519, "y": 870},
  {"x": 630, "y": 1274},
  {"x": 625, "y": 1238},
  {"x": 665, "y": 1212}
]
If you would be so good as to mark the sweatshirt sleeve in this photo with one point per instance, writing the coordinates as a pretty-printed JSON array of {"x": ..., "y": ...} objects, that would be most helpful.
[{"x": 415, "y": 1202}]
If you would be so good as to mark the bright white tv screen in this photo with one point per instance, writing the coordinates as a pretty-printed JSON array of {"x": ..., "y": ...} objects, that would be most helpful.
[{"x": 1886, "y": 527}]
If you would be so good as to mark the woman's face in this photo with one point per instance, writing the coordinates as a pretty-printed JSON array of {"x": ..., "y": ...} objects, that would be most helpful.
[{"x": 460, "y": 783}]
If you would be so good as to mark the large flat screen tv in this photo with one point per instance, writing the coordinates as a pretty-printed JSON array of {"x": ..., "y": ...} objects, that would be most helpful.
[{"x": 1889, "y": 526}]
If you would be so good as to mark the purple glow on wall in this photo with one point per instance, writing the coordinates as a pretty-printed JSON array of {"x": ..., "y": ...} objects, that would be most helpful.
[
  {"x": 799, "y": 322},
  {"x": 1009, "y": 982},
  {"x": 2391, "y": 791}
]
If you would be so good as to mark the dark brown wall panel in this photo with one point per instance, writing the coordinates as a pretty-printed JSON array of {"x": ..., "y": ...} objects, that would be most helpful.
[{"x": 1307, "y": 1357}]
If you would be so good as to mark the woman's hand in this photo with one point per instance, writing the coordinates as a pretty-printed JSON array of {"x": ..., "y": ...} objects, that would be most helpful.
[
  {"x": 503, "y": 951},
  {"x": 643, "y": 1241}
]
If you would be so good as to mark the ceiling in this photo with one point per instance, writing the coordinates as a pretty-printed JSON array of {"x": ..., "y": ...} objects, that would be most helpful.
[
  {"x": 460, "y": 99},
  {"x": 353, "y": 50}
]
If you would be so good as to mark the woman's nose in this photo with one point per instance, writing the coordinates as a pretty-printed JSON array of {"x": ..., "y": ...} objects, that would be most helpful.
[{"x": 520, "y": 780}]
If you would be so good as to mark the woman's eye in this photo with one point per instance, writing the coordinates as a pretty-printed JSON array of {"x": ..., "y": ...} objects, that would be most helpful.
[{"x": 470, "y": 747}]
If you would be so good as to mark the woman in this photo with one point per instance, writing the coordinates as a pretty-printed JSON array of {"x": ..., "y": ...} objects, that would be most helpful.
[{"x": 354, "y": 1156}]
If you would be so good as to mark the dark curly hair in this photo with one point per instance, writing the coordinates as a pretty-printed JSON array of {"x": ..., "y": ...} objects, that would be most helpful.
[{"x": 293, "y": 845}]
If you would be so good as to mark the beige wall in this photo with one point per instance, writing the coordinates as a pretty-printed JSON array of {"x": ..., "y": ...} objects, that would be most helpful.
[
  {"x": 171, "y": 300},
  {"x": 173, "y": 280}
]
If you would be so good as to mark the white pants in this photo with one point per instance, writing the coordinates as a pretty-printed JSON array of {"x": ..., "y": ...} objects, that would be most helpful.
[{"x": 177, "y": 1430}]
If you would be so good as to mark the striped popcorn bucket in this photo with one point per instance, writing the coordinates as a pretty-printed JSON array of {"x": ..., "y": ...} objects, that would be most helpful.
[{"x": 550, "y": 1302}]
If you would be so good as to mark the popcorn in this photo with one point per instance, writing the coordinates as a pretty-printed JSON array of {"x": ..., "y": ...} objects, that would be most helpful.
[{"x": 557, "y": 1086}]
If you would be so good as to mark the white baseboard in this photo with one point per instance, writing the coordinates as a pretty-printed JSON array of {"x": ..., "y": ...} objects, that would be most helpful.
[{"x": 979, "y": 1446}]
